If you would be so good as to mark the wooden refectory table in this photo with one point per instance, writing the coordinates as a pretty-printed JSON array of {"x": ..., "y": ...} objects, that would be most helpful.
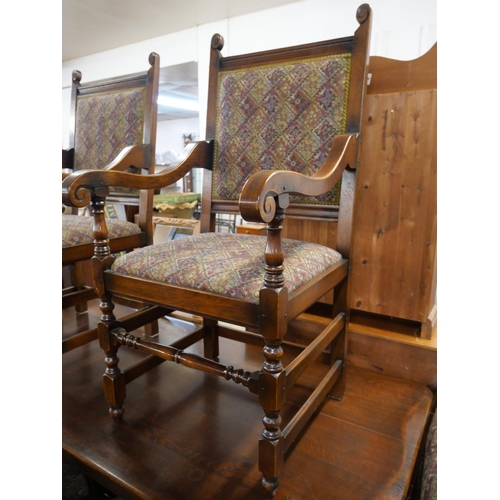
[{"x": 189, "y": 435}]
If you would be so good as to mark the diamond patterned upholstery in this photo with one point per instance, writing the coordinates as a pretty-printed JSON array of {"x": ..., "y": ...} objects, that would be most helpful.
[
  {"x": 106, "y": 124},
  {"x": 223, "y": 263},
  {"x": 279, "y": 117},
  {"x": 77, "y": 229}
]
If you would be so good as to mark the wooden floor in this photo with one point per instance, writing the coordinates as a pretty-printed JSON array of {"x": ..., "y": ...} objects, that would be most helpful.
[{"x": 189, "y": 435}]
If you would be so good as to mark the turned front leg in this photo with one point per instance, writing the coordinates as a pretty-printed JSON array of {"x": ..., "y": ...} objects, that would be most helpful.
[
  {"x": 113, "y": 378},
  {"x": 271, "y": 397},
  {"x": 273, "y": 306}
]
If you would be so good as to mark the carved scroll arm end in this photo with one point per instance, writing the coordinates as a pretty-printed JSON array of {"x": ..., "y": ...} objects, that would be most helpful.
[{"x": 267, "y": 190}]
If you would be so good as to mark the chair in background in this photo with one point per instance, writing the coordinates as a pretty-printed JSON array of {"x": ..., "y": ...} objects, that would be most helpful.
[
  {"x": 282, "y": 131},
  {"x": 112, "y": 127}
]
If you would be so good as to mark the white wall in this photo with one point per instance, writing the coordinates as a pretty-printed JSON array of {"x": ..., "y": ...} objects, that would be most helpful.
[
  {"x": 397, "y": 22},
  {"x": 169, "y": 134},
  {"x": 401, "y": 29}
]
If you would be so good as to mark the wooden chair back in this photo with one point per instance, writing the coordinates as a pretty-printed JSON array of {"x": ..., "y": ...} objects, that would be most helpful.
[
  {"x": 110, "y": 115},
  {"x": 281, "y": 109}
]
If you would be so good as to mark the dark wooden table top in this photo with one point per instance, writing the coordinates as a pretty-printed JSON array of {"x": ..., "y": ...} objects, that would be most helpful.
[{"x": 190, "y": 435}]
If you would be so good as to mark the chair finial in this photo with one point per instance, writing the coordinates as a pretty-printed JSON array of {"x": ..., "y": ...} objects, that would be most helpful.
[
  {"x": 363, "y": 13},
  {"x": 76, "y": 76},
  {"x": 153, "y": 58},
  {"x": 217, "y": 42}
]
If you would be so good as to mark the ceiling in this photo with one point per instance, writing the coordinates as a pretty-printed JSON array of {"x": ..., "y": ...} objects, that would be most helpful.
[{"x": 91, "y": 26}]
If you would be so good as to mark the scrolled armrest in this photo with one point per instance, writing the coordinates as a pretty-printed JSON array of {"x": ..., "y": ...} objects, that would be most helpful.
[
  {"x": 131, "y": 156},
  {"x": 267, "y": 189},
  {"x": 79, "y": 187}
]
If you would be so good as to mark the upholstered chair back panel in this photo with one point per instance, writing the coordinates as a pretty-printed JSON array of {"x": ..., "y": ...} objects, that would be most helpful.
[
  {"x": 105, "y": 124},
  {"x": 279, "y": 117}
]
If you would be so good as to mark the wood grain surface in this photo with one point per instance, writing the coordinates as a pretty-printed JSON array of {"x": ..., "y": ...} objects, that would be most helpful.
[{"x": 187, "y": 434}]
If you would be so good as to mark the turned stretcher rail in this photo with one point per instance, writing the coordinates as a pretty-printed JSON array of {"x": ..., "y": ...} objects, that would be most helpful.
[{"x": 170, "y": 353}]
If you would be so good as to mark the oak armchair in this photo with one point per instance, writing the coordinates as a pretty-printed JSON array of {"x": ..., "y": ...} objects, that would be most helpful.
[
  {"x": 112, "y": 128},
  {"x": 283, "y": 130}
]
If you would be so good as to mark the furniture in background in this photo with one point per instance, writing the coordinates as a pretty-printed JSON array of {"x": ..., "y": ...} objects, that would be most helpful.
[
  {"x": 173, "y": 215},
  {"x": 393, "y": 270},
  {"x": 226, "y": 223},
  {"x": 175, "y": 212},
  {"x": 298, "y": 110},
  {"x": 254, "y": 228},
  {"x": 112, "y": 128}
]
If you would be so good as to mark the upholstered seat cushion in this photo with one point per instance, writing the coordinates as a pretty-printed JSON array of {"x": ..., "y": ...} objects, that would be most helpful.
[
  {"x": 77, "y": 229},
  {"x": 227, "y": 264}
]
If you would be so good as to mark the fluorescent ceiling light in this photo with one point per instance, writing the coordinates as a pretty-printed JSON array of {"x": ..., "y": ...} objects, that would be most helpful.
[{"x": 172, "y": 102}]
